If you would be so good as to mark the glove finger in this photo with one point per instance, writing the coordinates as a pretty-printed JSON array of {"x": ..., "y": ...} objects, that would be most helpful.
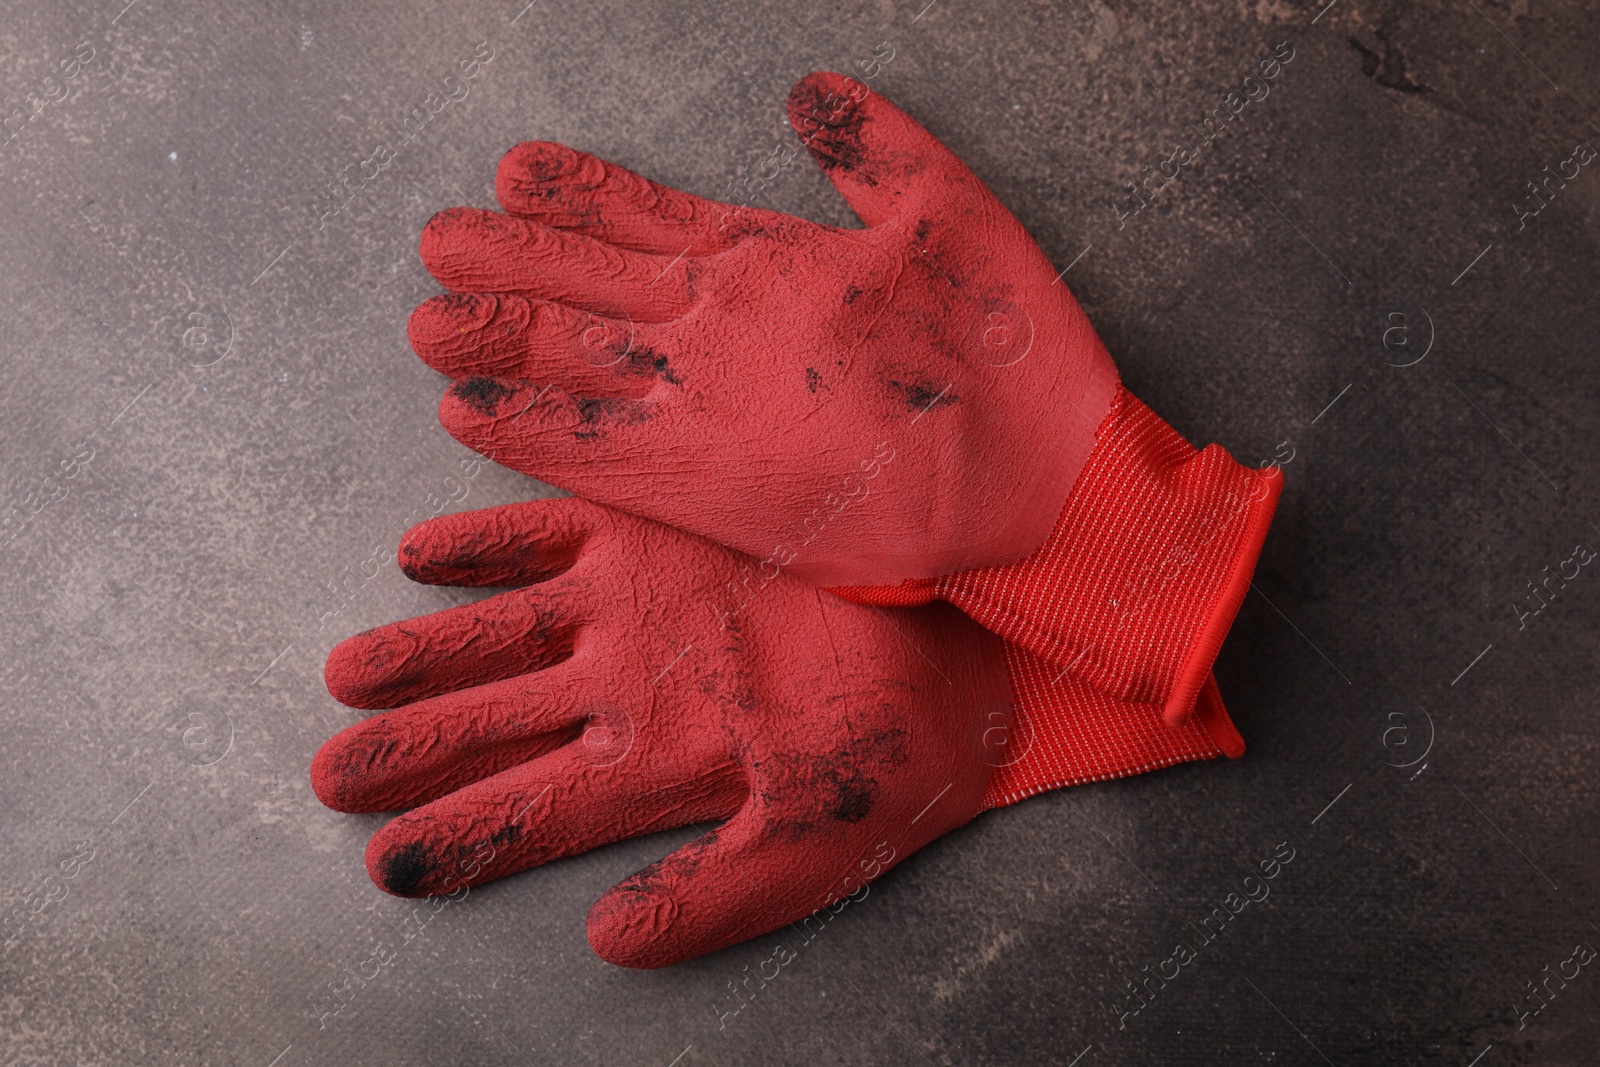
[
  {"x": 429, "y": 749},
  {"x": 514, "y": 544},
  {"x": 879, "y": 158},
  {"x": 507, "y": 335},
  {"x": 543, "y": 432},
  {"x": 559, "y": 805},
  {"x": 473, "y": 644},
  {"x": 571, "y": 190},
  {"x": 470, "y": 250}
]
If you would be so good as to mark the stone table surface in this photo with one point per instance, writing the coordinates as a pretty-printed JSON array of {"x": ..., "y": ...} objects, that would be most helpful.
[{"x": 214, "y": 433}]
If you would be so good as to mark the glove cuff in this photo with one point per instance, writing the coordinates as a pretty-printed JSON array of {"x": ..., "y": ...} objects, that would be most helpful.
[
  {"x": 1066, "y": 732},
  {"x": 1143, "y": 574}
]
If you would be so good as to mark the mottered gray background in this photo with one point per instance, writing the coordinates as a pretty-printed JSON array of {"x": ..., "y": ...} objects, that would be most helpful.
[{"x": 1379, "y": 272}]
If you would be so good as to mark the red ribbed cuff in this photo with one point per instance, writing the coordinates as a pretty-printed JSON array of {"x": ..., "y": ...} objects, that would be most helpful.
[
  {"x": 1142, "y": 576},
  {"x": 1066, "y": 732}
]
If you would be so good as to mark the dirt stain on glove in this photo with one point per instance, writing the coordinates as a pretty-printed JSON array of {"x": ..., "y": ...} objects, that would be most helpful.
[
  {"x": 482, "y": 394},
  {"x": 404, "y": 869},
  {"x": 830, "y": 124}
]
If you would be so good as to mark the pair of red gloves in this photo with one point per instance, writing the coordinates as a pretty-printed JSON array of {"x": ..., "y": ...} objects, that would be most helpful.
[{"x": 788, "y": 439}]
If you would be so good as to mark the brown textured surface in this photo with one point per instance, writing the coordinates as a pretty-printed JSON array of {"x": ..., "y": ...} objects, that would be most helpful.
[{"x": 170, "y": 604}]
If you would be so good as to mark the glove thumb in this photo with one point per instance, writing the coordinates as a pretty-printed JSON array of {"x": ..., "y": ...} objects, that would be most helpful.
[{"x": 879, "y": 158}]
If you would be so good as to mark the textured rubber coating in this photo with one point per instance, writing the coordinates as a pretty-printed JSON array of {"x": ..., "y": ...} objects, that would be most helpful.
[
  {"x": 855, "y": 407},
  {"x": 629, "y": 684}
]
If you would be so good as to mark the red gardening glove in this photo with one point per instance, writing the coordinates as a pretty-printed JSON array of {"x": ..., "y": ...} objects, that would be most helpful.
[
  {"x": 605, "y": 699},
  {"x": 914, "y": 410}
]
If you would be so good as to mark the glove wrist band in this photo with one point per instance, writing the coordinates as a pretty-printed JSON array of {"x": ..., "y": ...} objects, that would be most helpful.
[
  {"x": 1141, "y": 577},
  {"x": 1065, "y": 732}
]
